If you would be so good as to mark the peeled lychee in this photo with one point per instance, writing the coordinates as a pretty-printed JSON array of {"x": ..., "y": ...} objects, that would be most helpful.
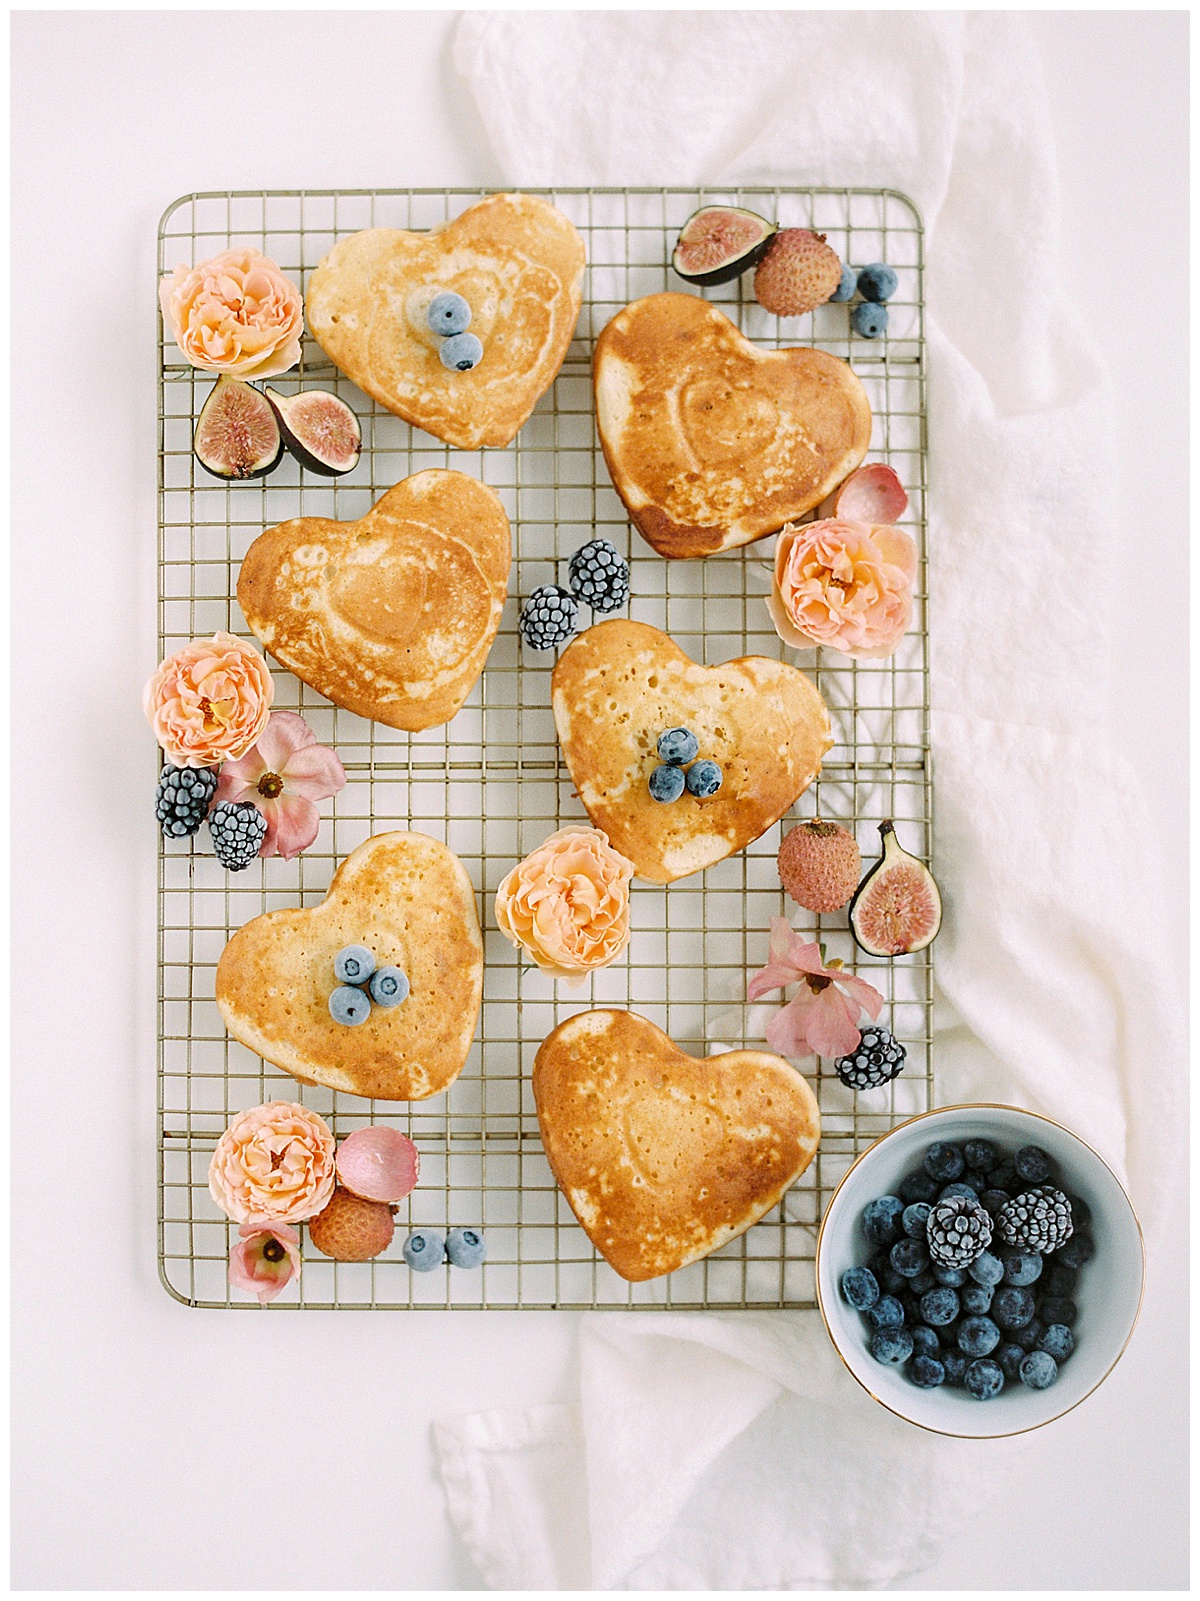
[
  {"x": 798, "y": 273},
  {"x": 351, "y": 1229},
  {"x": 820, "y": 865}
]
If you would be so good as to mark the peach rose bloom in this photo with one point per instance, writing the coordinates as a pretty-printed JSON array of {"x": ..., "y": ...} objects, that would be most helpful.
[
  {"x": 273, "y": 1164},
  {"x": 210, "y": 701},
  {"x": 236, "y": 314},
  {"x": 843, "y": 584},
  {"x": 567, "y": 903}
]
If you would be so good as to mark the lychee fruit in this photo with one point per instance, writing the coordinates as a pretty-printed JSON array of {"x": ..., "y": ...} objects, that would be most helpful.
[
  {"x": 351, "y": 1229},
  {"x": 798, "y": 273},
  {"x": 820, "y": 865}
]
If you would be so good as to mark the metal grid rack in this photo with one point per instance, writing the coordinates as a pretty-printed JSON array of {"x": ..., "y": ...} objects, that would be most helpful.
[{"x": 492, "y": 783}]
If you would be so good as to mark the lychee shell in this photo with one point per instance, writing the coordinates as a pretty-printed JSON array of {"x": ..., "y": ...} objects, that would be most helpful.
[
  {"x": 798, "y": 273},
  {"x": 820, "y": 865},
  {"x": 351, "y": 1229}
]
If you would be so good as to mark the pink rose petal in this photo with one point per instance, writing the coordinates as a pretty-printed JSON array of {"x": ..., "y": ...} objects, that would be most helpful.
[{"x": 378, "y": 1163}]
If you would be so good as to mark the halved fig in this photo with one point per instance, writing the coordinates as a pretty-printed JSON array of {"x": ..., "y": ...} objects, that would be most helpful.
[
  {"x": 319, "y": 429},
  {"x": 237, "y": 435},
  {"x": 897, "y": 908},
  {"x": 378, "y": 1163},
  {"x": 719, "y": 243}
]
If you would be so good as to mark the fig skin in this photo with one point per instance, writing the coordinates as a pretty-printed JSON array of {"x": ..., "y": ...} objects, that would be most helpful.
[
  {"x": 319, "y": 429},
  {"x": 237, "y": 435},
  {"x": 872, "y": 920},
  {"x": 741, "y": 260}
]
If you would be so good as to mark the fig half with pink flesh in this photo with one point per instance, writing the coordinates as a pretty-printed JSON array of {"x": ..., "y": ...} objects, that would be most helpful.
[
  {"x": 719, "y": 243},
  {"x": 378, "y": 1164},
  {"x": 237, "y": 436},
  {"x": 897, "y": 908},
  {"x": 319, "y": 429}
]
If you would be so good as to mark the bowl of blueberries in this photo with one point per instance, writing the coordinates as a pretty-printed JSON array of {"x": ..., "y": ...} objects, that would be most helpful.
[{"x": 980, "y": 1270}]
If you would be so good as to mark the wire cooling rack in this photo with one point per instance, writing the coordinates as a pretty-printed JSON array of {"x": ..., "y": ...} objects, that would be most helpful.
[{"x": 492, "y": 783}]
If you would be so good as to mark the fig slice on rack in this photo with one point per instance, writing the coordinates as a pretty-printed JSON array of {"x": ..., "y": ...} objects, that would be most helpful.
[
  {"x": 237, "y": 435},
  {"x": 719, "y": 243},
  {"x": 897, "y": 908},
  {"x": 319, "y": 429}
]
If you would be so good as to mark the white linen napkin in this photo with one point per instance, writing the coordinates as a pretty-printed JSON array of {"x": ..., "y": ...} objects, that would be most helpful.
[{"x": 732, "y": 1451}]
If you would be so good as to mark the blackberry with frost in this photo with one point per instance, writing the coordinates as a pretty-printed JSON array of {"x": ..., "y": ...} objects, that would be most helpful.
[
  {"x": 959, "y": 1231},
  {"x": 876, "y": 1059},
  {"x": 182, "y": 799},
  {"x": 238, "y": 829},
  {"x": 548, "y": 617},
  {"x": 599, "y": 576},
  {"x": 1039, "y": 1220}
]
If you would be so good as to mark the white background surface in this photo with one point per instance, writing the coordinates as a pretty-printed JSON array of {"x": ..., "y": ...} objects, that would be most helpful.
[{"x": 159, "y": 1447}]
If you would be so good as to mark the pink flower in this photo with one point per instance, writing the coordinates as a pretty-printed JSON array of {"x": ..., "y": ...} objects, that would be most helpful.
[
  {"x": 236, "y": 313},
  {"x": 822, "y": 1019},
  {"x": 843, "y": 584},
  {"x": 264, "y": 1260},
  {"x": 209, "y": 701},
  {"x": 285, "y": 775},
  {"x": 273, "y": 1164}
]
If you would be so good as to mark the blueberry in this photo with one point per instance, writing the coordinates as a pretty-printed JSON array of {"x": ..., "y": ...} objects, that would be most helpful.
[
  {"x": 448, "y": 314},
  {"x": 909, "y": 1257},
  {"x": 1012, "y": 1307},
  {"x": 977, "y": 1336},
  {"x": 955, "y": 1364},
  {"x": 881, "y": 1219},
  {"x": 860, "y": 1288},
  {"x": 1004, "y": 1176},
  {"x": 1058, "y": 1279},
  {"x": 987, "y": 1269},
  {"x": 892, "y": 1346},
  {"x": 922, "y": 1283},
  {"x": 667, "y": 783},
  {"x": 917, "y": 1187},
  {"x": 977, "y": 1299},
  {"x": 889, "y": 1280},
  {"x": 944, "y": 1162},
  {"x": 912, "y": 1306},
  {"x": 1028, "y": 1337},
  {"x": 1057, "y": 1309},
  {"x": 993, "y": 1200},
  {"x": 955, "y": 1277},
  {"x": 1057, "y": 1341},
  {"x": 678, "y": 747},
  {"x": 424, "y": 1249},
  {"x": 877, "y": 282},
  {"x": 925, "y": 1341},
  {"x": 1022, "y": 1267},
  {"x": 984, "y": 1380},
  {"x": 915, "y": 1219},
  {"x": 965, "y": 1190},
  {"x": 927, "y": 1372},
  {"x": 887, "y": 1313},
  {"x": 981, "y": 1154},
  {"x": 869, "y": 321},
  {"x": 977, "y": 1179},
  {"x": 1032, "y": 1164},
  {"x": 465, "y": 1247},
  {"x": 704, "y": 779},
  {"x": 1077, "y": 1252},
  {"x": 1081, "y": 1212},
  {"x": 1038, "y": 1370},
  {"x": 388, "y": 986},
  {"x": 845, "y": 290},
  {"x": 461, "y": 352},
  {"x": 353, "y": 964},
  {"x": 1010, "y": 1357},
  {"x": 349, "y": 1005},
  {"x": 941, "y": 1306}
]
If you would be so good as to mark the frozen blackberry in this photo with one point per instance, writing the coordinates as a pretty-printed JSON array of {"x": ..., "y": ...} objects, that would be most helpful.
[
  {"x": 1039, "y": 1220},
  {"x": 599, "y": 576},
  {"x": 548, "y": 618},
  {"x": 876, "y": 1059},
  {"x": 959, "y": 1231},
  {"x": 182, "y": 799},
  {"x": 237, "y": 829}
]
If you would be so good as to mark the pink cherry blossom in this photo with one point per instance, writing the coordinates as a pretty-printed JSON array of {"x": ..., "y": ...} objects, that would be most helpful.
[
  {"x": 822, "y": 1018},
  {"x": 264, "y": 1260},
  {"x": 284, "y": 775}
]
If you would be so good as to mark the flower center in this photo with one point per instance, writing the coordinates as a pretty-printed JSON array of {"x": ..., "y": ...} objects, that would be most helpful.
[
  {"x": 270, "y": 785},
  {"x": 816, "y": 982},
  {"x": 273, "y": 1251}
]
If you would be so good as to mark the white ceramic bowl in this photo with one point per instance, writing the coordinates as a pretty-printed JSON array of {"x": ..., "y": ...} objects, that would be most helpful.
[{"x": 1109, "y": 1293}]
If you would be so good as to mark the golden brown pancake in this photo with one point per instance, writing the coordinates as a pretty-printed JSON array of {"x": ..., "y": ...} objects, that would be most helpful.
[
  {"x": 408, "y": 899},
  {"x": 391, "y": 616},
  {"x": 710, "y": 441},
  {"x": 516, "y": 261},
  {"x": 664, "y": 1157},
  {"x": 621, "y": 684}
]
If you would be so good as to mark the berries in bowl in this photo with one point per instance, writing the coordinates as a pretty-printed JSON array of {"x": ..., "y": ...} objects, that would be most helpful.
[{"x": 980, "y": 1270}]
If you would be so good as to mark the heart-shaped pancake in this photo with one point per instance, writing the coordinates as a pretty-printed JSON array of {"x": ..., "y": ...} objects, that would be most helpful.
[
  {"x": 516, "y": 261},
  {"x": 664, "y": 1157},
  {"x": 408, "y": 899},
  {"x": 621, "y": 684},
  {"x": 391, "y": 616},
  {"x": 712, "y": 442}
]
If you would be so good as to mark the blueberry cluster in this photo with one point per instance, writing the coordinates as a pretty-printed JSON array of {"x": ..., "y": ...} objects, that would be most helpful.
[
  {"x": 360, "y": 982},
  {"x": 449, "y": 316},
  {"x": 599, "y": 577},
  {"x": 936, "y": 1298},
  {"x": 875, "y": 284},
  {"x": 424, "y": 1249},
  {"x": 678, "y": 749}
]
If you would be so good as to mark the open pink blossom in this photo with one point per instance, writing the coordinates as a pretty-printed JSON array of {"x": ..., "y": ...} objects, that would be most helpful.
[
  {"x": 822, "y": 1019},
  {"x": 284, "y": 775},
  {"x": 264, "y": 1260},
  {"x": 843, "y": 584}
]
